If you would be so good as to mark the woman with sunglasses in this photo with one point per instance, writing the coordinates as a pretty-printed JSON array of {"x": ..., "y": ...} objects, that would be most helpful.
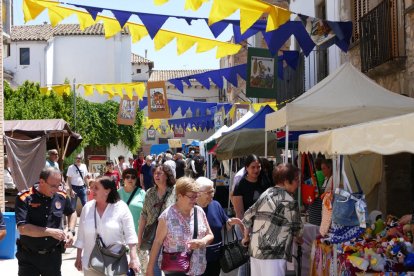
[
  {"x": 157, "y": 199},
  {"x": 132, "y": 194},
  {"x": 175, "y": 232}
]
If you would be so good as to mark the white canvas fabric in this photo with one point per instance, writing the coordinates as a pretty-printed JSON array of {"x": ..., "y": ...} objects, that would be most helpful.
[{"x": 346, "y": 97}]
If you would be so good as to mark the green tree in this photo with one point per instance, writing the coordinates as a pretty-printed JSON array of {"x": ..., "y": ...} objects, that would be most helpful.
[{"x": 96, "y": 122}]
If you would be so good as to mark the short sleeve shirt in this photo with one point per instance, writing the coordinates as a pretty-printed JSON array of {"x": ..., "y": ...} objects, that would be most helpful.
[
  {"x": 136, "y": 204},
  {"x": 249, "y": 191},
  {"x": 32, "y": 207},
  {"x": 180, "y": 231},
  {"x": 73, "y": 173}
]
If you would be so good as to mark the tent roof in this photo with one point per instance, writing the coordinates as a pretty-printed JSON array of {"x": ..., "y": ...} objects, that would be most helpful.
[
  {"x": 345, "y": 97},
  {"x": 256, "y": 121},
  {"x": 243, "y": 142},
  {"x": 386, "y": 136},
  {"x": 55, "y": 129},
  {"x": 216, "y": 134},
  {"x": 239, "y": 122}
]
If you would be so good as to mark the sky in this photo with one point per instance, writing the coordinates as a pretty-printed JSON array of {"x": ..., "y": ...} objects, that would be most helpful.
[{"x": 166, "y": 58}]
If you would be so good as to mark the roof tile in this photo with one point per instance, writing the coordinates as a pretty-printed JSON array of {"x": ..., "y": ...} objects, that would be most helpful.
[{"x": 164, "y": 75}]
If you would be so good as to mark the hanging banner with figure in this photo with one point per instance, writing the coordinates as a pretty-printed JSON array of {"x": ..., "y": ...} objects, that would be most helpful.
[
  {"x": 261, "y": 74},
  {"x": 179, "y": 131},
  {"x": 158, "y": 102},
  {"x": 151, "y": 132},
  {"x": 127, "y": 111}
]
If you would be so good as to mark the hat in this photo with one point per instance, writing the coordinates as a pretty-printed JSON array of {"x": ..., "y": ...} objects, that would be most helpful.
[
  {"x": 149, "y": 158},
  {"x": 192, "y": 152},
  {"x": 79, "y": 156},
  {"x": 52, "y": 151}
]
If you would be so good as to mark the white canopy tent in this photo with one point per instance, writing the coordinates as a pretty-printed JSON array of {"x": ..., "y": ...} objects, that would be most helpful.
[
  {"x": 387, "y": 136},
  {"x": 345, "y": 97}
]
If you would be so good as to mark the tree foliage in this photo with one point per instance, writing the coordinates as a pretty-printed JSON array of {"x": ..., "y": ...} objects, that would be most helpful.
[{"x": 96, "y": 122}]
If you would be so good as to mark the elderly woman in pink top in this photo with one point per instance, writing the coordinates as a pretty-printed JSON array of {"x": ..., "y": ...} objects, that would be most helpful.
[{"x": 176, "y": 228}]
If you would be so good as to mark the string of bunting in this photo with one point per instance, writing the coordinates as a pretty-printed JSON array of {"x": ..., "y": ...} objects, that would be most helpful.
[
  {"x": 57, "y": 13},
  {"x": 202, "y": 122},
  {"x": 311, "y": 32},
  {"x": 249, "y": 24}
]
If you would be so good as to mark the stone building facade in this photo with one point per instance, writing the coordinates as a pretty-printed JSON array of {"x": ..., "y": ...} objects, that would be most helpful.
[{"x": 397, "y": 75}]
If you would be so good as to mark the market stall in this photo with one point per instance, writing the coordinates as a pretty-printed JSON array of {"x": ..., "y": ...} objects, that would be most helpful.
[
  {"x": 343, "y": 98},
  {"x": 383, "y": 245}
]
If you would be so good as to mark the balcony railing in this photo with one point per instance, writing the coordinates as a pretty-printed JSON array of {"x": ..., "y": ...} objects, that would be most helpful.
[
  {"x": 382, "y": 34},
  {"x": 293, "y": 83}
]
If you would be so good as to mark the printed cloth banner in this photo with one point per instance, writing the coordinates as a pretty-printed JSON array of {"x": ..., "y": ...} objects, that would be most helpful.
[
  {"x": 218, "y": 120},
  {"x": 151, "y": 132},
  {"x": 127, "y": 111},
  {"x": 158, "y": 105},
  {"x": 179, "y": 131},
  {"x": 261, "y": 76},
  {"x": 239, "y": 111}
]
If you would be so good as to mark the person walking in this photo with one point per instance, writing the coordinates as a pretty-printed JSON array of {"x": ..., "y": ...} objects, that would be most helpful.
[
  {"x": 217, "y": 219},
  {"x": 114, "y": 224},
  {"x": 157, "y": 199},
  {"x": 179, "y": 165},
  {"x": 197, "y": 164},
  {"x": 146, "y": 173},
  {"x": 273, "y": 222},
  {"x": 176, "y": 230},
  {"x": 112, "y": 173},
  {"x": 39, "y": 213},
  {"x": 133, "y": 195},
  {"x": 121, "y": 166},
  {"x": 77, "y": 181},
  {"x": 52, "y": 159}
]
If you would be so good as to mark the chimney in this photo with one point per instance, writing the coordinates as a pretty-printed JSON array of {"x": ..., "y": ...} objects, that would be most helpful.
[{"x": 146, "y": 51}]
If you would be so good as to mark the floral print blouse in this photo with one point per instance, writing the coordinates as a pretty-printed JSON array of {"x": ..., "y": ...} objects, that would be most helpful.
[{"x": 180, "y": 231}]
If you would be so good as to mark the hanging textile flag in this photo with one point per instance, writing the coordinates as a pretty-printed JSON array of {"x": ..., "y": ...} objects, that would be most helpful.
[
  {"x": 318, "y": 29},
  {"x": 261, "y": 76},
  {"x": 179, "y": 132},
  {"x": 151, "y": 133},
  {"x": 60, "y": 90},
  {"x": 127, "y": 111},
  {"x": 112, "y": 26},
  {"x": 113, "y": 89},
  {"x": 158, "y": 104}
]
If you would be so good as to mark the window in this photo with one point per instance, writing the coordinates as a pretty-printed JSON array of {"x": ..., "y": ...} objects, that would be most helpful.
[
  {"x": 138, "y": 71},
  {"x": 24, "y": 56},
  {"x": 200, "y": 100},
  {"x": 359, "y": 9}
]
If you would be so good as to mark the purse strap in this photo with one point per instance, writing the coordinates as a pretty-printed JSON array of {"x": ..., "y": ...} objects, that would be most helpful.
[
  {"x": 306, "y": 158},
  {"x": 195, "y": 233},
  {"x": 234, "y": 234},
  {"x": 162, "y": 203},
  {"x": 98, "y": 237},
  {"x": 356, "y": 178},
  {"x": 132, "y": 196}
]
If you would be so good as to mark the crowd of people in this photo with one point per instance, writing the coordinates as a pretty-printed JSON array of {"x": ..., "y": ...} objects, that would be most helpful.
[{"x": 158, "y": 206}]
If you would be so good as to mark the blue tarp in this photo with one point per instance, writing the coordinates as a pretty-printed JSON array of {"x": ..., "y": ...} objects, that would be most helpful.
[
  {"x": 159, "y": 148},
  {"x": 256, "y": 121}
]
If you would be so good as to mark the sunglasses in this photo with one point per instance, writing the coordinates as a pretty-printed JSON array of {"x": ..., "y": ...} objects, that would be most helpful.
[{"x": 128, "y": 176}]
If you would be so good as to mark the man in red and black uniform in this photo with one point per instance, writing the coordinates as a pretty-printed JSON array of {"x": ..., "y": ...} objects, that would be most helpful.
[{"x": 39, "y": 213}]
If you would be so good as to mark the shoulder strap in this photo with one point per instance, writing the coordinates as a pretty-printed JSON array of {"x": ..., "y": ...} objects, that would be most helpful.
[
  {"x": 195, "y": 233},
  {"x": 356, "y": 179},
  {"x": 79, "y": 171},
  {"x": 132, "y": 195},
  {"x": 162, "y": 203}
]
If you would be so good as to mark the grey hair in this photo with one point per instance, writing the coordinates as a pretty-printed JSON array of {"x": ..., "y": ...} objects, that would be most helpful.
[
  {"x": 168, "y": 156},
  {"x": 203, "y": 183}
]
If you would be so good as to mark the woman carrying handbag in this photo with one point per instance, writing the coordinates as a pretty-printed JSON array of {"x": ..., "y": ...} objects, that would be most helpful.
[{"x": 182, "y": 231}]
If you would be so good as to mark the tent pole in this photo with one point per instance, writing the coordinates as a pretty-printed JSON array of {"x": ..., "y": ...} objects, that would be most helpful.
[
  {"x": 286, "y": 145},
  {"x": 230, "y": 185},
  {"x": 336, "y": 177},
  {"x": 265, "y": 153}
]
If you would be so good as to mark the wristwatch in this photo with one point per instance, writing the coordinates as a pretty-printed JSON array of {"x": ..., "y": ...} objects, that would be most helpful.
[{"x": 72, "y": 231}]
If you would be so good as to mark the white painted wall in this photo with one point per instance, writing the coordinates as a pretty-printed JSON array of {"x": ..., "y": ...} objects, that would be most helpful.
[
  {"x": 140, "y": 77},
  {"x": 333, "y": 13},
  {"x": 36, "y": 70},
  {"x": 92, "y": 59},
  {"x": 116, "y": 150}
]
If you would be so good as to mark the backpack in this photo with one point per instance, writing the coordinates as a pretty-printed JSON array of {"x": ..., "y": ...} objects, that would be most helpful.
[{"x": 199, "y": 164}]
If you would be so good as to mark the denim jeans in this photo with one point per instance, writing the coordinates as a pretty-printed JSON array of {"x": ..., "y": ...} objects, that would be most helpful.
[{"x": 80, "y": 191}]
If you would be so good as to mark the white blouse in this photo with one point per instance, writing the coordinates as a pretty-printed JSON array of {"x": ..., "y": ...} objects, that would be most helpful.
[{"x": 115, "y": 226}]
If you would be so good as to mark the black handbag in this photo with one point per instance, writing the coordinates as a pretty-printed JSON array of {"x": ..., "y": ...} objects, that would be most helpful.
[
  {"x": 150, "y": 230},
  {"x": 234, "y": 254},
  {"x": 106, "y": 262}
]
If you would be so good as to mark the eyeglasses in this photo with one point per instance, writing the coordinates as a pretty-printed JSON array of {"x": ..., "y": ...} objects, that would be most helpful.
[
  {"x": 128, "y": 176},
  {"x": 194, "y": 197},
  {"x": 53, "y": 186},
  {"x": 158, "y": 173}
]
